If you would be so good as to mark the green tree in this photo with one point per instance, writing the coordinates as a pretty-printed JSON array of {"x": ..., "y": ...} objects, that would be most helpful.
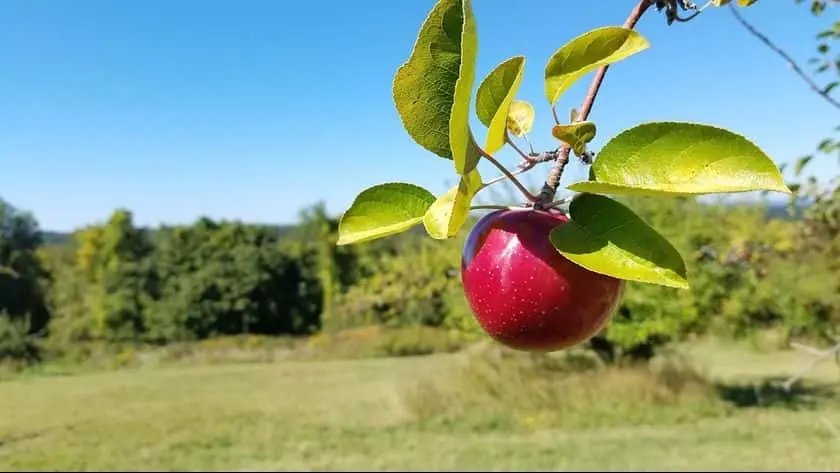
[
  {"x": 221, "y": 278},
  {"x": 23, "y": 307},
  {"x": 103, "y": 292}
]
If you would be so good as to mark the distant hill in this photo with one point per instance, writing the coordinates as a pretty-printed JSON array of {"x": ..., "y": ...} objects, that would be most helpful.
[
  {"x": 55, "y": 238},
  {"x": 779, "y": 210}
]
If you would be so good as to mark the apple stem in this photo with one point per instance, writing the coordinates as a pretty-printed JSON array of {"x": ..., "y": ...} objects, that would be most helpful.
[
  {"x": 508, "y": 175},
  {"x": 553, "y": 181}
]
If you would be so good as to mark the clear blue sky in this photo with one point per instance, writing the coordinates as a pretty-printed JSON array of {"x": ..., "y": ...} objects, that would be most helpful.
[{"x": 253, "y": 110}]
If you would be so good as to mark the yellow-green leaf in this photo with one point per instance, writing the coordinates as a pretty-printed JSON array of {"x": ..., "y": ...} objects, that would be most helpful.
[
  {"x": 383, "y": 210},
  {"x": 520, "y": 117},
  {"x": 720, "y": 3},
  {"x": 449, "y": 212},
  {"x": 493, "y": 99},
  {"x": 587, "y": 52},
  {"x": 576, "y": 135},
  {"x": 606, "y": 237},
  {"x": 432, "y": 89},
  {"x": 676, "y": 158},
  {"x": 746, "y": 3},
  {"x": 464, "y": 149}
]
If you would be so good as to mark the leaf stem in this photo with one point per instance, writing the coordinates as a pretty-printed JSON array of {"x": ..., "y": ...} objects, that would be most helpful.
[
  {"x": 791, "y": 63},
  {"x": 528, "y": 140},
  {"x": 554, "y": 114},
  {"x": 509, "y": 175},
  {"x": 553, "y": 181}
]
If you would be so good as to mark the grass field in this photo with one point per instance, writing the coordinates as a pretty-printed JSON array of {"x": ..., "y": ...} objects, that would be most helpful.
[{"x": 351, "y": 415}]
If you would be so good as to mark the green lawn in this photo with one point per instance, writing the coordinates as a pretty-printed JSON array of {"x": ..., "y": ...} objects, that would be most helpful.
[{"x": 348, "y": 415}]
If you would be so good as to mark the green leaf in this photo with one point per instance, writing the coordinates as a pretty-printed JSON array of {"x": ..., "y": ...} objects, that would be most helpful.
[
  {"x": 587, "y": 52},
  {"x": 674, "y": 158},
  {"x": 607, "y": 237},
  {"x": 464, "y": 149},
  {"x": 576, "y": 135},
  {"x": 520, "y": 117},
  {"x": 432, "y": 89},
  {"x": 494, "y": 97},
  {"x": 383, "y": 210},
  {"x": 746, "y": 3},
  {"x": 720, "y": 3},
  {"x": 449, "y": 212}
]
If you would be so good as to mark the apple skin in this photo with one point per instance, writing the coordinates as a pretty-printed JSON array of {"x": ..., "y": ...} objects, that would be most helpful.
[{"x": 523, "y": 292}]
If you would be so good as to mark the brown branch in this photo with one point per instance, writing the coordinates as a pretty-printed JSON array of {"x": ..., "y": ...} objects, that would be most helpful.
[
  {"x": 791, "y": 63},
  {"x": 553, "y": 181},
  {"x": 509, "y": 175}
]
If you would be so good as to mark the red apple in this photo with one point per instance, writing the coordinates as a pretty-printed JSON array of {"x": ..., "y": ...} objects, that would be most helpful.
[{"x": 523, "y": 292}]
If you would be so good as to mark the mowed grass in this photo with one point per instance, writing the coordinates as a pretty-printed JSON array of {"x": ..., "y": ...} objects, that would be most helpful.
[{"x": 353, "y": 415}]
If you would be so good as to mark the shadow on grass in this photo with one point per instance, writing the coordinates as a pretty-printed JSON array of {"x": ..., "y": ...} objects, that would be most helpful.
[{"x": 769, "y": 393}]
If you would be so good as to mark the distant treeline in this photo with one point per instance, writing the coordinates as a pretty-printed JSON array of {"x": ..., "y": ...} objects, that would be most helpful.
[{"x": 750, "y": 266}]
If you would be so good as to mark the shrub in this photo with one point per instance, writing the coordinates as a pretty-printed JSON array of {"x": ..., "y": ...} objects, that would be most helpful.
[
  {"x": 17, "y": 346},
  {"x": 497, "y": 387}
]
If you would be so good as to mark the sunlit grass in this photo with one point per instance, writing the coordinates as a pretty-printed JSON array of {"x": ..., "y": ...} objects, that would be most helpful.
[{"x": 356, "y": 415}]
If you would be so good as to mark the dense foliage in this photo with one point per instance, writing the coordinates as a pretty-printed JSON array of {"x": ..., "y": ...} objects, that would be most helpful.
[{"x": 115, "y": 283}]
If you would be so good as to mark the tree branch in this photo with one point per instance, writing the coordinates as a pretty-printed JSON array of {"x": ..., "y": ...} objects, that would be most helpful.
[
  {"x": 516, "y": 148},
  {"x": 507, "y": 174},
  {"x": 791, "y": 63},
  {"x": 504, "y": 177},
  {"x": 553, "y": 181}
]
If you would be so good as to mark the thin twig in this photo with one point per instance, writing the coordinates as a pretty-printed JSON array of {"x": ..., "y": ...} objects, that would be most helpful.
[
  {"x": 528, "y": 140},
  {"x": 791, "y": 63},
  {"x": 528, "y": 195},
  {"x": 809, "y": 350},
  {"x": 553, "y": 181},
  {"x": 516, "y": 148},
  {"x": 504, "y": 177},
  {"x": 825, "y": 354}
]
